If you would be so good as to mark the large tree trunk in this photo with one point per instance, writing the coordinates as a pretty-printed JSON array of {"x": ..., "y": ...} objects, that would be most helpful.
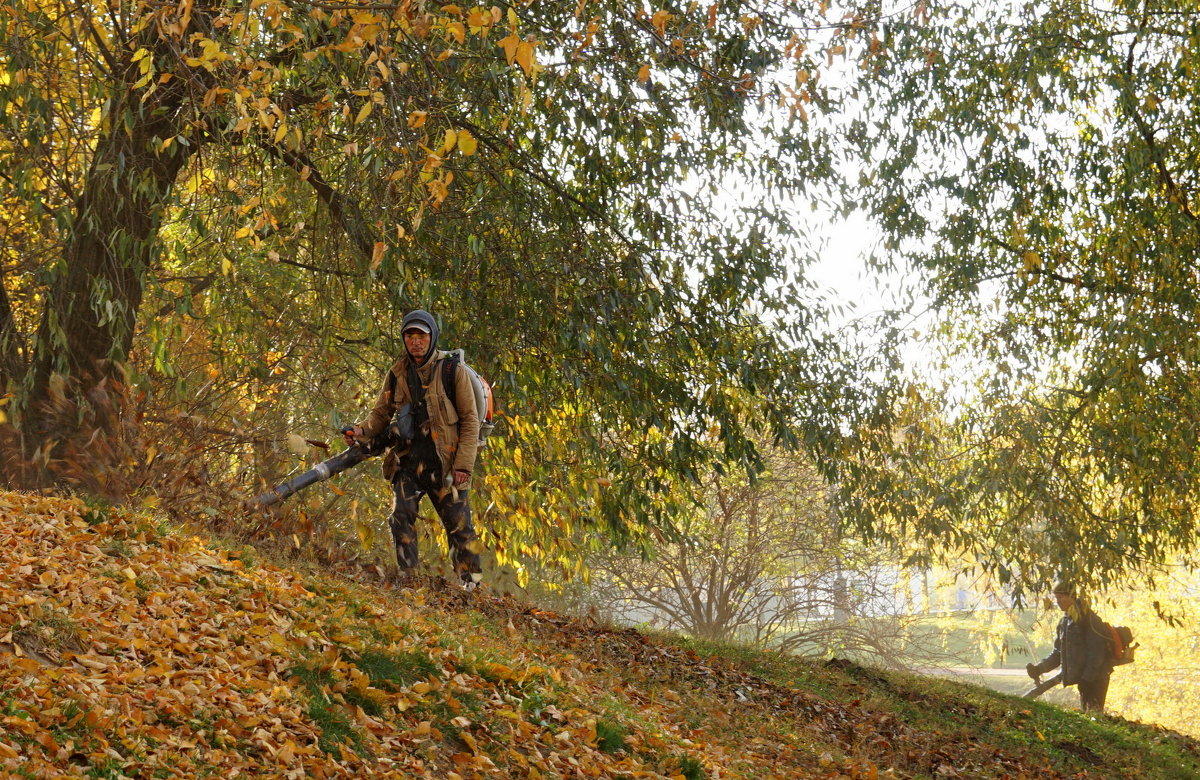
[
  {"x": 91, "y": 312},
  {"x": 87, "y": 327},
  {"x": 9, "y": 358}
]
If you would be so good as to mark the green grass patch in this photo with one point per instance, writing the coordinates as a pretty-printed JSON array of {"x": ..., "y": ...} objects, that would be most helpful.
[
  {"x": 315, "y": 678},
  {"x": 50, "y": 631},
  {"x": 336, "y": 728},
  {"x": 535, "y": 703},
  {"x": 96, "y": 511},
  {"x": 610, "y": 736},
  {"x": 110, "y": 769},
  {"x": 687, "y": 766},
  {"x": 396, "y": 669}
]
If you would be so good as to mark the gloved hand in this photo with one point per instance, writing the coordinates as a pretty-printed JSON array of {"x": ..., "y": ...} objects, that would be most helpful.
[{"x": 351, "y": 432}]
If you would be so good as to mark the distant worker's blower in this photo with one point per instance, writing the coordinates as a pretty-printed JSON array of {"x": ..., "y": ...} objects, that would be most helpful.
[
  {"x": 398, "y": 433},
  {"x": 1040, "y": 686}
]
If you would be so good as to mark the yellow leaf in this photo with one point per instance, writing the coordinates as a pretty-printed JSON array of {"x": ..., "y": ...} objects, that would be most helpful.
[
  {"x": 525, "y": 57},
  {"x": 281, "y": 131},
  {"x": 509, "y": 44},
  {"x": 417, "y": 118},
  {"x": 644, "y": 73},
  {"x": 448, "y": 141},
  {"x": 226, "y": 266},
  {"x": 1032, "y": 260},
  {"x": 377, "y": 254},
  {"x": 467, "y": 143},
  {"x": 366, "y": 535},
  {"x": 129, "y": 574},
  {"x": 364, "y": 112},
  {"x": 150, "y": 453},
  {"x": 661, "y": 20},
  {"x": 457, "y": 31},
  {"x": 479, "y": 17},
  {"x": 501, "y": 671}
]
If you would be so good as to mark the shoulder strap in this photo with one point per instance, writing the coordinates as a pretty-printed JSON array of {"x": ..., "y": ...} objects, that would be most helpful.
[
  {"x": 416, "y": 391},
  {"x": 449, "y": 366}
]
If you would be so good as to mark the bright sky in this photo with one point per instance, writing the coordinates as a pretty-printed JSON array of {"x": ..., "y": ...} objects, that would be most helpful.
[{"x": 843, "y": 279}]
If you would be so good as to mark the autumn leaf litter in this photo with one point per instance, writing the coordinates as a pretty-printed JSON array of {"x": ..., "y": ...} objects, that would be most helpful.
[{"x": 126, "y": 651}]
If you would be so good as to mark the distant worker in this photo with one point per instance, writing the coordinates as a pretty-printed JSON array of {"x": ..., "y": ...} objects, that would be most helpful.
[
  {"x": 1081, "y": 648},
  {"x": 435, "y": 439}
]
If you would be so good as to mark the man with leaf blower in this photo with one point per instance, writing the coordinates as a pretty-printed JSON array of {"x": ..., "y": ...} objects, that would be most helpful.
[
  {"x": 1081, "y": 648},
  {"x": 426, "y": 409}
]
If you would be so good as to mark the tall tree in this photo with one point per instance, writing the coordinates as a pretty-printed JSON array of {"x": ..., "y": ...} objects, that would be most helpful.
[
  {"x": 767, "y": 563},
  {"x": 1036, "y": 163}
]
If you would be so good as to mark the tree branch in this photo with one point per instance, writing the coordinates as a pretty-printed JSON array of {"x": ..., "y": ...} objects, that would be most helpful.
[
  {"x": 198, "y": 286},
  {"x": 345, "y": 212},
  {"x": 1175, "y": 193}
]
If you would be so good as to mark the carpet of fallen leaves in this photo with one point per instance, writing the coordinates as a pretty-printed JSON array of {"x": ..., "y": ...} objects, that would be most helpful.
[{"x": 130, "y": 651}]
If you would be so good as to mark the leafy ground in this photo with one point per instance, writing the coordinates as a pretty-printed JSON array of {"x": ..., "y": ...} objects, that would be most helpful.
[{"x": 127, "y": 649}]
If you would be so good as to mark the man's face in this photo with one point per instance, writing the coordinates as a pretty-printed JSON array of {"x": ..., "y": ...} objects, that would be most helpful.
[
  {"x": 416, "y": 342},
  {"x": 1064, "y": 601}
]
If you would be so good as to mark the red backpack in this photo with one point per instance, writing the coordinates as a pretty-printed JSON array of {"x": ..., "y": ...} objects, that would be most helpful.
[{"x": 1120, "y": 644}]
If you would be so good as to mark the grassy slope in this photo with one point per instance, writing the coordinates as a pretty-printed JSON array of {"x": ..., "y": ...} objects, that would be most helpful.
[{"x": 129, "y": 651}]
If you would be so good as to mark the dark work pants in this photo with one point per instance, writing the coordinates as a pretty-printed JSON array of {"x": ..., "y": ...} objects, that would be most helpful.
[
  {"x": 454, "y": 509},
  {"x": 1092, "y": 694}
]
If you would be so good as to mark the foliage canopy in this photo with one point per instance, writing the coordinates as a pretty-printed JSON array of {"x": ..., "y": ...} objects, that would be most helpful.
[
  {"x": 1036, "y": 163},
  {"x": 240, "y": 200}
]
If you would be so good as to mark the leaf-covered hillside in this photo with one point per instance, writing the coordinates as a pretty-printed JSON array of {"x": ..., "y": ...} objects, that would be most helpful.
[{"x": 128, "y": 650}]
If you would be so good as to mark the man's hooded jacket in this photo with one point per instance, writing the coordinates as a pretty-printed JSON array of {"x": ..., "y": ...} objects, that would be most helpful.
[{"x": 453, "y": 428}]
